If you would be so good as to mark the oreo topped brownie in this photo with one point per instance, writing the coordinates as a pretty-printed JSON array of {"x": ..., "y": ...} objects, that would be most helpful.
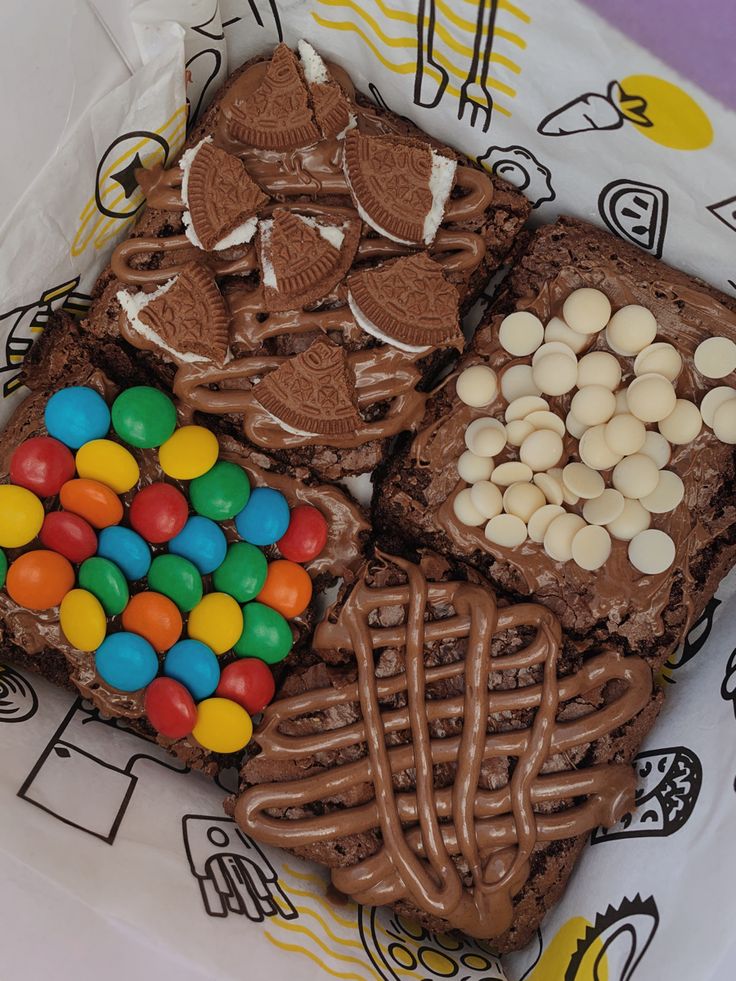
[{"x": 302, "y": 269}]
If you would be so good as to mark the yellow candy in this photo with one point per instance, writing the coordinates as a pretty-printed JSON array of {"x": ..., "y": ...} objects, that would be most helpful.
[
  {"x": 21, "y": 516},
  {"x": 217, "y": 621},
  {"x": 108, "y": 462},
  {"x": 189, "y": 453},
  {"x": 82, "y": 620},
  {"x": 222, "y": 726}
]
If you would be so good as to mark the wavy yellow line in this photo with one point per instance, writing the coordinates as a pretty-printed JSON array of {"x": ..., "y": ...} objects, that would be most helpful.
[
  {"x": 463, "y": 49},
  {"x": 130, "y": 152},
  {"x": 325, "y": 907},
  {"x": 305, "y": 931},
  {"x": 402, "y": 15},
  {"x": 306, "y": 911},
  {"x": 469, "y": 25},
  {"x": 296, "y": 949},
  {"x": 512, "y": 9},
  {"x": 305, "y": 876},
  {"x": 492, "y": 83}
]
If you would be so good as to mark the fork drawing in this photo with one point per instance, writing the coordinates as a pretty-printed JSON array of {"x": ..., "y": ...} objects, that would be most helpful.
[{"x": 474, "y": 94}]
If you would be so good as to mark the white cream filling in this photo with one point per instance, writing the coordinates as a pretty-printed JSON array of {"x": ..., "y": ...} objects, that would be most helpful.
[
  {"x": 133, "y": 303},
  {"x": 441, "y": 180},
  {"x": 238, "y": 236},
  {"x": 370, "y": 328},
  {"x": 352, "y": 123},
  {"x": 334, "y": 234},
  {"x": 280, "y": 422},
  {"x": 314, "y": 68},
  {"x": 268, "y": 273}
]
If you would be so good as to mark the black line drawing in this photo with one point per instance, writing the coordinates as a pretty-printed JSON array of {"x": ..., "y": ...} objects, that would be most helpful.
[
  {"x": 725, "y": 212},
  {"x": 203, "y": 72},
  {"x": 125, "y": 177},
  {"x": 728, "y": 685},
  {"x": 215, "y": 32},
  {"x": 669, "y": 782},
  {"x": 18, "y": 700},
  {"x": 71, "y": 782},
  {"x": 233, "y": 874},
  {"x": 423, "y": 80},
  {"x": 596, "y": 111},
  {"x": 636, "y": 212},
  {"x": 695, "y": 640},
  {"x": 256, "y": 9},
  {"x": 381, "y": 102},
  {"x": 520, "y": 167},
  {"x": 635, "y": 919}
]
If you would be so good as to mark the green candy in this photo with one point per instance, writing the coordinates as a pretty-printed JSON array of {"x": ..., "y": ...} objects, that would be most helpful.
[
  {"x": 3, "y": 568},
  {"x": 177, "y": 578},
  {"x": 266, "y": 634},
  {"x": 143, "y": 416},
  {"x": 105, "y": 581},
  {"x": 221, "y": 493},
  {"x": 242, "y": 573}
]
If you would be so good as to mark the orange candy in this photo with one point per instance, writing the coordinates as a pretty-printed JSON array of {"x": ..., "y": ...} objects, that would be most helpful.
[
  {"x": 287, "y": 589},
  {"x": 90, "y": 499},
  {"x": 39, "y": 580},
  {"x": 155, "y": 617}
]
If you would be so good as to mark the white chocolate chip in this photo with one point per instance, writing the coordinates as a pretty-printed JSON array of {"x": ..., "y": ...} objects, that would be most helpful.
[
  {"x": 560, "y": 534},
  {"x": 485, "y": 436},
  {"x": 635, "y": 476},
  {"x": 512, "y": 472},
  {"x": 556, "y": 374},
  {"x": 541, "y": 520},
  {"x": 546, "y": 420},
  {"x": 713, "y": 399},
  {"x": 518, "y": 380},
  {"x": 594, "y": 450},
  {"x": 668, "y": 493},
  {"x": 521, "y": 407},
  {"x": 486, "y": 498},
  {"x": 472, "y": 468},
  {"x": 523, "y": 500},
  {"x": 651, "y": 397},
  {"x": 567, "y": 495},
  {"x": 657, "y": 448},
  {"x": 651, "y": 552},
  {"x": 625, "y": 434},
  {"x": 557, "y": 330},
  {"x": 683, "y": 424},
  {"x": 631, "y": 329},
  {"x": 465, "y": 510},
  {"x": 541, "y": 450},
  {"x": 574, "y": 426},
  {"x": 661, "y": 359},
  {"x": 477, "y": 386},
  {"x": 517, "y": 431},
  {"x": 553, "y": 347},
  {"x": 506, "y": 530},
  {"x": 521, "y": 333},
  {"x": 599, "y": 368},
  {"x": 724, "y": 422},
  {"x": 591, "y": 547},
  {"x": 550, "y": 486},
  {"x": 604, "y": 509},
  {"x": 715, "y": 357},
  {"x": 622, "y": 402},
  {"x": 586, "y": 310},
  {"x": 593, "y": 405},
  {"x": 633, "y": 519},
  {"x": 583, "y": 481}
]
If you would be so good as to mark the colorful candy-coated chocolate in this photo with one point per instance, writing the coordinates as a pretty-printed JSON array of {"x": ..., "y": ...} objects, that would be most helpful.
[
  {"x": 177, "y": 578},
  {"x": 3, "y": 568},
  {"x": 195, "y": 665},
  {"x": 126, "y": 661},
  {"x": 222, "y": 726},
  {"x": 287, "y": 588},
  {"x": 83, "y": 620},
  {"x": 190, "y": 452},
  {"x": 202, "y": 542},
  {"x": 108, "y": 462},
  {"x": 221, "y": 492},
  {"x": 143, "y": 416},
  {"x": 170, "y": 708},
  {"x": 265, "y": 635},
  {"x": 306, "y": 535},
  {"x": 103, "y": 579},
  {"x": 69, "y": 535},
  {"x": 217, "y": 621},
  {"x": 21, "y": 516},
  {"x": 248, "y": 682},
  {"x": 127, "y": 549},
  {"x": 159, "y": 512},
  {"x": 93, "y": 501},
  {"x": 154, "y": 617},
  {"x": 42, "y": 464},
  {"x": 243, "y": 572},
  {"x": 40, "y": 579},
  {"x": 265, "y": 517},
  {"x": 76, "y": 415}
]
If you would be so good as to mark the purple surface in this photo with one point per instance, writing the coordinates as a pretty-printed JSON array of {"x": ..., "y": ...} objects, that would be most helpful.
[{"x": 696, "y": 37}]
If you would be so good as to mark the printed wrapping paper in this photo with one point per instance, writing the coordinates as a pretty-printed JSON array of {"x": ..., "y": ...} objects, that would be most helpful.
[{"x": 560, "y": 103}]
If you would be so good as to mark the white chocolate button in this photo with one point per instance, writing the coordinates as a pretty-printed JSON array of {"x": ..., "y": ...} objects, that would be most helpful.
[
  {"x": 520, "y": 408},
  {"x": 599, "y": 368},
  {"x": 622, "y": 402},
  {"x": 574, "y": 426},
  {"x": 506, "y": 530},
  {"x": 604, "y": 509},
  {"x": 560, "y": 534},
  {"x": 683, "y": 424},
  {"x": 557, "y": 330},
  {"x": 486, "y": 436},
  {"x": 668, "y": 493},
  {"x": 633, "y": 519},
  {"x": 631, "y": 329},
  {"x": 477, "y": 386},
  {"x": 486, "y": 498},
  {"x": 541, "y": 450},
  {"x": 523, "y": 500},
  {"x": 591, "y": 547},
  {"x": 583, "y": 481},
  {"x": 517, "y": 431},
  {"x": 651, "y": 397},
  {"x": 550, "y": 486},
  {"x": 651, "y": 552},
  {"x": 715, "y": 357},
  {"x": 518, "y": 380},
  {"x": 713, "y": 399},
  {"x": 554, "y": 347},
  {"x": 567, "y": 495},
  {"x": 724, "y": 422},
  {"x": 512, "y": 472},
  {"x": 625, "y": 434},
  {"x": 465, "y": 510},
  {"x": 593, "y": 405},
  {"x": 586, "y": 310},
  {"x": 546, "y": 420},
  {"x": 521, "y": 333},
  {"x": 541, "y": 520},
  {"x": 635, "y": 476},
  {"x": 556, "y": 374},
  {"x": 471, "y": 467},
  {"x": 656, "y": 448},
  {"x": 594, "y": 450},
  {"x": 661, "y": 359}
]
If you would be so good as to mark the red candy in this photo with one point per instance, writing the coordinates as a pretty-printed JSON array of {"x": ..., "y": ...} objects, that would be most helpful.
[
  {"x": 159, "y": 512},
  {"x": 306, "y": 535},
  {"x": 248, "y": 682},
  {"x": 42, "y": 464},
  {"x": 170, "y": 708},
  {"x": 69, "y": 535}
]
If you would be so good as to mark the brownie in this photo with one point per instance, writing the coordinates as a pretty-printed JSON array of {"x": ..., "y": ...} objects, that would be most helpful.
[
  {"x": 396, "y": 764},
  {"x": 273, "y": 152},
  {"x": 644, "y": 614}
]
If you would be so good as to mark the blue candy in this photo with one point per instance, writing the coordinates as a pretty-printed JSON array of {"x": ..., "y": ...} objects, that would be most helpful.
[
  {"x": 126, "y": 661},
  {"x": 76, "y": 415},
  {"x": 265, "y": 517},
  {"x": 127, "y": 549},
  {"x": 202, "y": 542},
  {"x": 195, "y": 665}
]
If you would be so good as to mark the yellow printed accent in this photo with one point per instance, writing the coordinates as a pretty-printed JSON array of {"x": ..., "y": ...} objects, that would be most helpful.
[
  {"x": 469, "y": 25},
  {"x": 38, "y": 329},
  {"x": 557, "y": 954},
  {"x": 15, "y": 358},
  {"x": 53, "y": 294},
  {"x": 512, "y": 9},
  {"x": 463, "y": 49},
  {"x": 390, "y": 12},
  {"x": 490, "y": 82},
  {"x": 305, "y": 876},
  {"x": 392, "y": 42},
  {"x": 296, "y": 949},
  {"x": 305, "y": 931},
  {"x": 325, "y": 907},
  {"x": 306, "y": 911},
  {"x": 677, "y": 120}
]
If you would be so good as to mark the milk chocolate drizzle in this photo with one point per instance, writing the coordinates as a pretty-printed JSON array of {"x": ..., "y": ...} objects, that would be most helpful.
[{"x": 424, "y": 831}]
